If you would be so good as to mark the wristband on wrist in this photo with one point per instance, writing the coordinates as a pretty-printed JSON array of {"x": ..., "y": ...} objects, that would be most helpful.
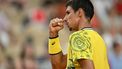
[
  {"x": 53, "y": 37},
  {"x": 54, "y": 45}
]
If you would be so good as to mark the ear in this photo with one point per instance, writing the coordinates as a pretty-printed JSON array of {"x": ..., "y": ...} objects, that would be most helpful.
[{"x": 80, "y": 12}]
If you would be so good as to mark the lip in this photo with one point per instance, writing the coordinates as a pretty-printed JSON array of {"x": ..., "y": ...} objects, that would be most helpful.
[{"x": 66, "y": 22}]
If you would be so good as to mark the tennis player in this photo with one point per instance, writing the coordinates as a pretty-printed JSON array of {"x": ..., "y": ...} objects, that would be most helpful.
[{"x": 86, "y": 48}]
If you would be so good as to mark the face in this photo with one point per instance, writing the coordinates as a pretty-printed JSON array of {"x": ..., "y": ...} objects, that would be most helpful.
[{"x": 72, "y": 19}]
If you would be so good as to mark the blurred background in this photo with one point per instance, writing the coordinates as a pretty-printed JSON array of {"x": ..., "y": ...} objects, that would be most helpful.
[{"x": 24, "y": 31}]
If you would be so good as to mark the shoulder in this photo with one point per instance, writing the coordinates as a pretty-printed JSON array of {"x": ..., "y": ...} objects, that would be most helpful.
[
  {"x": 80, "y": 34},
  {"x": 80, "y": 40}
]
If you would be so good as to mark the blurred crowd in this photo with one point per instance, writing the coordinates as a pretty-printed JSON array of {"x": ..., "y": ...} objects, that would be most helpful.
[{"x": 24, "y": 31}]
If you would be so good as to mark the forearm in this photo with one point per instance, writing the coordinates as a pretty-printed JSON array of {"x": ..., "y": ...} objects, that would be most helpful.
[{"x": 58, "y": 60}]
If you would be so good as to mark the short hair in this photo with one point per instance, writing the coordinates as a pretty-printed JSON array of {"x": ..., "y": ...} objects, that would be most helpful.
[{"x": 86, "y": 5}]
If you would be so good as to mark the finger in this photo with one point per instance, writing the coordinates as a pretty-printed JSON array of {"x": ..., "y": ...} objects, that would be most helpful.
[
  {"x": 60, "y": 27},
  {"x": 60, "y": 24},
  {"x": 57, "y": 22},
  {"x": 54, "y": 24},
  {"x": 61, "y": 21}
]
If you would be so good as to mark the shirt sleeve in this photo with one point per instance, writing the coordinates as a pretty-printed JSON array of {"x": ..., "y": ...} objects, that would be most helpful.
[{"x": 81, "y": 46}]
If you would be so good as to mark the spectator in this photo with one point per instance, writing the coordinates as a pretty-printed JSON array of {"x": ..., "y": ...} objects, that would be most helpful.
[
  {"x": 28, "y": 57},
  {"x": 115, "y": 56}
]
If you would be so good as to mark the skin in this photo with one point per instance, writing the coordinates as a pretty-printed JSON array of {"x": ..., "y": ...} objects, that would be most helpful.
[{"x": 75, "y": 21}]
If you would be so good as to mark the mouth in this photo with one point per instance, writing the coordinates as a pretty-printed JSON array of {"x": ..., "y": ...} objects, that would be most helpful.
[{"x": 66, "y": 22}]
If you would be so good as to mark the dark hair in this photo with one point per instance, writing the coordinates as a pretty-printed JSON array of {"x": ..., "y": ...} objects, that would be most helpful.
[
  {"x": 86, "y": 5},
  {"x": 115, "y": 44}
]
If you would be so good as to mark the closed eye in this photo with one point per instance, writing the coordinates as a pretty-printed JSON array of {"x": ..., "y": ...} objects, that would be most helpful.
[{"x": 67, "y": 12}]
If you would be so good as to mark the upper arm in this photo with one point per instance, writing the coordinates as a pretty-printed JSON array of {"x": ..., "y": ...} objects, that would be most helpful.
[
  {"x": 86, "y": 64},
  {"x": 64, "y": 61},
  {"x": 82, "y": 48}
]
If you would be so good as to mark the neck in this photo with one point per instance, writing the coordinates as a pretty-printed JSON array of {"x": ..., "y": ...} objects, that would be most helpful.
[{"x": 84, "y": 23}]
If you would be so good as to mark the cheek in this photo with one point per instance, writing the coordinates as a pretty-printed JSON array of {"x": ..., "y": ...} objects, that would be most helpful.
[{"x": 72, "y": 20}]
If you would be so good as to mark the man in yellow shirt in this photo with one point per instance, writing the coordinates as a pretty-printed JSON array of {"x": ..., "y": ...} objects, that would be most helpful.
[{"x": 86, "y": 48}]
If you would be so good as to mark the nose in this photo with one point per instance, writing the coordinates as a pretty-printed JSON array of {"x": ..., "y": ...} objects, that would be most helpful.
[{"x": 65, "y": 19}]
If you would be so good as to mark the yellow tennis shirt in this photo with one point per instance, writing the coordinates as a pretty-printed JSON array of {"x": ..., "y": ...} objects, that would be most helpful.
[{"x": 86, "y": 44}]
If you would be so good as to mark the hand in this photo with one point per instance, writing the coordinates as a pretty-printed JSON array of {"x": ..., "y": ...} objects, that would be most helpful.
[{"x": 55, "y": 26}]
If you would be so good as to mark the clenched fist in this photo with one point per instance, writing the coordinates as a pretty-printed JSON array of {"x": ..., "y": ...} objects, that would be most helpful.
[{"x": 55, "y": 26}]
